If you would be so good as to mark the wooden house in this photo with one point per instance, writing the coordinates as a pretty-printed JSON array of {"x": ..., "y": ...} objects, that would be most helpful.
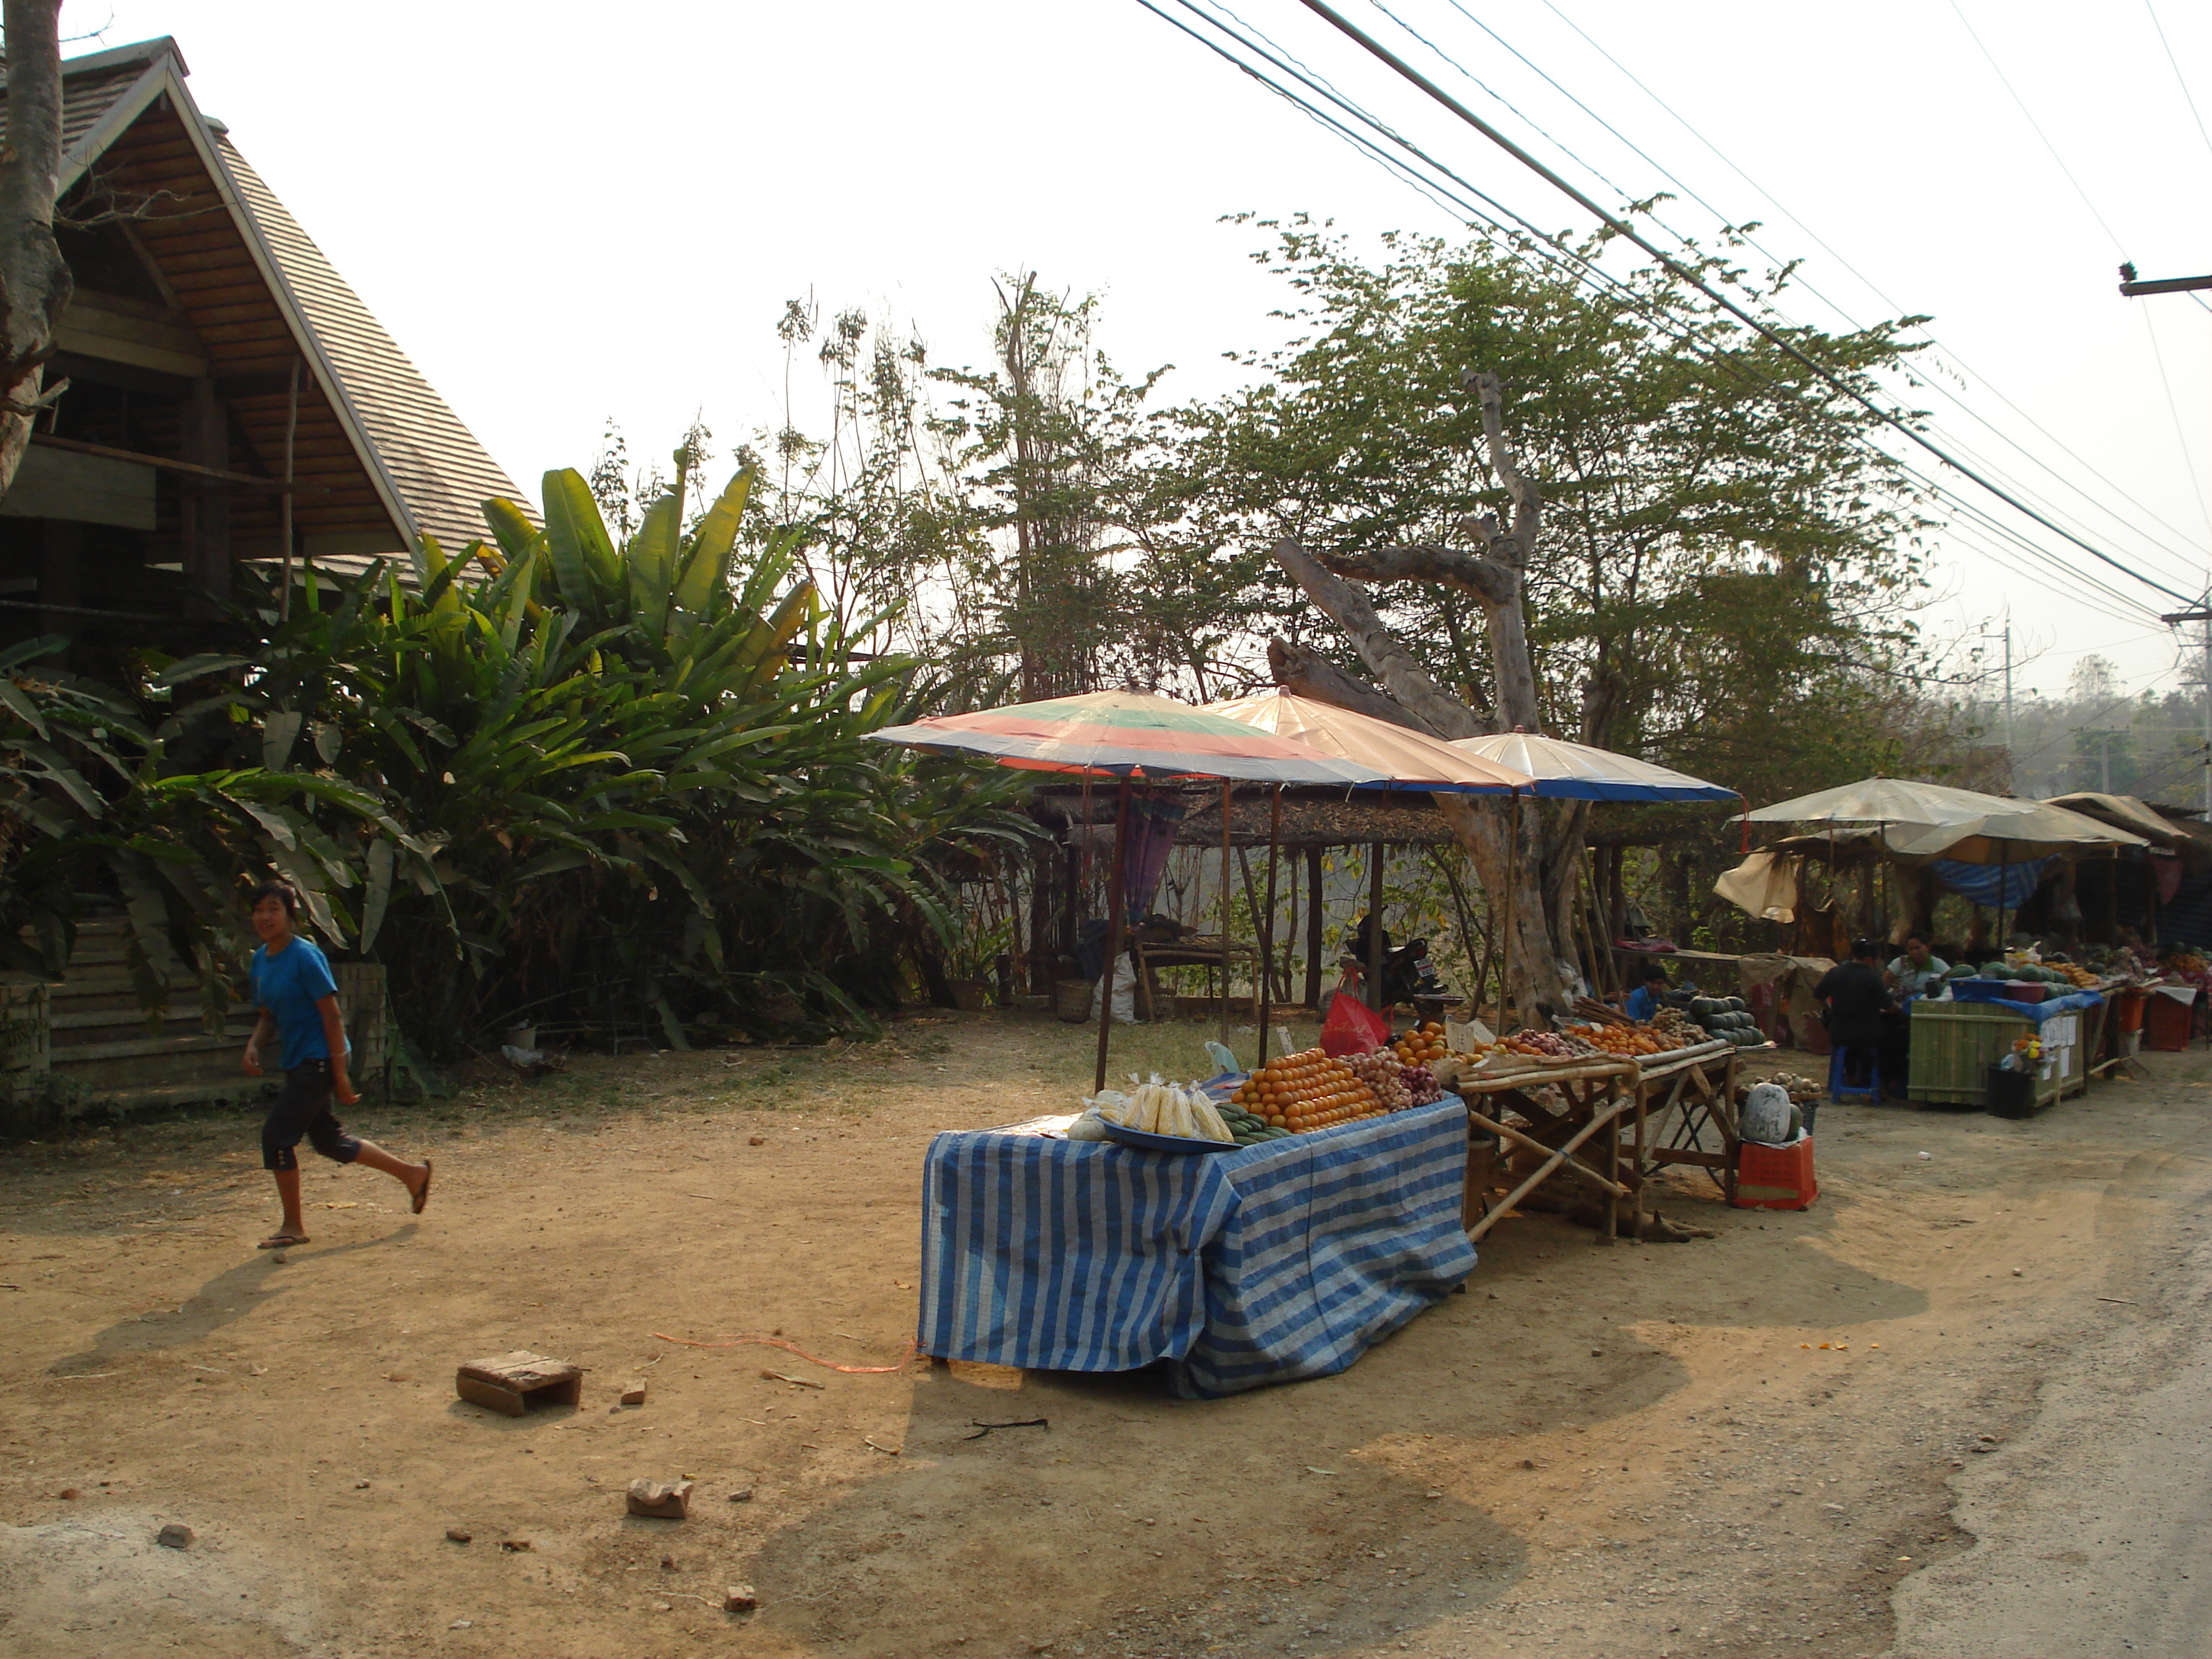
[{"x": 212, "y": 353}]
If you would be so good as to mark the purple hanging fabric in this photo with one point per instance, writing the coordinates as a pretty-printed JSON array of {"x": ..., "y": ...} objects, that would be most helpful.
[{"x": 1153, "y": 818}]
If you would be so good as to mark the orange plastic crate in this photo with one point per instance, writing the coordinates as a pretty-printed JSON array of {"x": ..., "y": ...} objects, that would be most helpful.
[
  {"x": 2166, "y": 1023},
  {"x": 1775, "y": 1177}
]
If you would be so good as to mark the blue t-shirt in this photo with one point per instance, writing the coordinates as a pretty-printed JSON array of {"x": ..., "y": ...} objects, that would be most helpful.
[
  {"x": 1640, "y": 1004},
  {"x": 288, "y": 985}
]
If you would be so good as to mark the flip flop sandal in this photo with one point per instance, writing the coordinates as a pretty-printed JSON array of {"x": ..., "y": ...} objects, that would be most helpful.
[
  {"x": 283, "y": 1241},
  {"x": 423, "y": 1197}
]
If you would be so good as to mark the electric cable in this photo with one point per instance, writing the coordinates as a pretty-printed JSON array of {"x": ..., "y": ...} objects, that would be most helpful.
[
  {"x": 1673, "y": 268},
  {"x": 1539, "y": 239},
  {"x": 1931, "y": 381},
  {"x": 2187, "y": 96},
  {"x": 1871, "y": 286}
]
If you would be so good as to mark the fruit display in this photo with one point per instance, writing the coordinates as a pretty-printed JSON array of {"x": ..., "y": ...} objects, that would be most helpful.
[
  {"x": 1626, "y": 1041},
  {"x": 1728, "y": 1018},
  {"x": 1536, "y": 1045},
  {"x": 1674, "y": 1023},
  {"x": 1304, "y": 1092},
  {"x": 1801, "y": 1089},
  {"x": 1384, "y": 1076},
  {"x": 1421, "y": 1045}
]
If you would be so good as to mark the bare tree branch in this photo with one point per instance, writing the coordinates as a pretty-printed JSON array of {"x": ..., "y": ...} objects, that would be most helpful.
[
  {"x": 1309, "y": 674},
  {"x": 1352, "y": 611},
  {"x": 1492, "y": 582}
]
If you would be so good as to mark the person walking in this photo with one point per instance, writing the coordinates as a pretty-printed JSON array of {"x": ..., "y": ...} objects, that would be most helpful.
[{"x": 299, "y": 1003}]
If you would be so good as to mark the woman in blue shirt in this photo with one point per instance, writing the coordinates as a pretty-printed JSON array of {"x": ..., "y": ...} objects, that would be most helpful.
[{"x": 299, "y": 1002}]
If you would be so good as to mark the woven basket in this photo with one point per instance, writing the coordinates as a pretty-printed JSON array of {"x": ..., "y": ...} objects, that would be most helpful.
[{"x": 1071, "y": 1000}]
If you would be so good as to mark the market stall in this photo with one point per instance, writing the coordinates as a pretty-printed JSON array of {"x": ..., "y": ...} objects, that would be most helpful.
[
  {"x": 1954, "y": 1044},
  {"x": 1261, "y": 1264}
]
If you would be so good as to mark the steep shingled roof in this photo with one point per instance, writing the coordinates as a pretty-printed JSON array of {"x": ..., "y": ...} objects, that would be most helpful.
[{"x": 428, "y": 470}]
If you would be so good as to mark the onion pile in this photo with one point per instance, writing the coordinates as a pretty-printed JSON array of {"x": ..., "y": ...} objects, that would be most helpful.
[{"x": 1381, "y": 1071}]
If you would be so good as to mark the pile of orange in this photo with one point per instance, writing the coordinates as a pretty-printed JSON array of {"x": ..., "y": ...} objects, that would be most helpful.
[
  {"x": 1423, "y": 1045},
  {"x": 1628, "y": 1041},
  {"x": 1308, "y": 1091}
]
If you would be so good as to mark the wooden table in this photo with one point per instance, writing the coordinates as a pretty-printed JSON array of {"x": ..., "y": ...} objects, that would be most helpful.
[
  {"x": 1699, "y": 1084},
  {"x": 1202, "y": 951},
  {"x": 1595, "y": 1095}
]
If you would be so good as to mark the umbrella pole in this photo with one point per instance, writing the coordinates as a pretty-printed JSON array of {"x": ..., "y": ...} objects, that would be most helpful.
[
  {"x": 1268, "y": 928},
  {"x": 1374, "y": 926},
  {"x": 2004, "y": 870},
  {"x": 1113, "y": 935},
  {"x": 1225, "y": 788},
  {"x": 1512, "y": 920}
]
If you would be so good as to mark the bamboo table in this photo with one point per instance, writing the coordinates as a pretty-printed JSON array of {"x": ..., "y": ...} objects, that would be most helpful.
[
  {"x": 1595, "y": 1095},
  {"x": 1700, "y": 1083}
]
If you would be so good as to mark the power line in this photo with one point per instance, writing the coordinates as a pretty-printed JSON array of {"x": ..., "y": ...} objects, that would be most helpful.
[
  {"x": 1620, "y": 228},
  {"x": 1583, "y": 272},
  {"x": 2035, "y": 126},
  {"x": 2187, "y": 97},
  {"x": 1874, "y": 288}
]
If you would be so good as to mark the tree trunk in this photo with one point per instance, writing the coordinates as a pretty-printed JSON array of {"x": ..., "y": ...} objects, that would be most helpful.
[
  {"x": 1517, "y": 892},
  {"x": 34, "y": 283},
  {"x": 1538, "y": 913}
]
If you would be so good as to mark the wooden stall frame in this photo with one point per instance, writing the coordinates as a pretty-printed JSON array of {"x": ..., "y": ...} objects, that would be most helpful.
[
  {"x": 1687, "y": 1077},
  {"x": 1623, "y": 1093}
]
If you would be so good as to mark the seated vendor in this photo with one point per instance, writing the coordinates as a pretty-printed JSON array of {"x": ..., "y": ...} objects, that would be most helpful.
[
  {"x": 1919, "y": 972},
  {"x": 1643, "y": 1001},
  {"x": 1857, "y": 1007}
]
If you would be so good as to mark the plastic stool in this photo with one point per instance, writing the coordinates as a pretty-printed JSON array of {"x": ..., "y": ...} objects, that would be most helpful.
[{"x": 1869, "y": 1091}]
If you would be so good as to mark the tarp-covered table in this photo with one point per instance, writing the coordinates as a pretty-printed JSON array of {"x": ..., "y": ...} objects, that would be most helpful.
[{"x": 1242, "y": 1268}]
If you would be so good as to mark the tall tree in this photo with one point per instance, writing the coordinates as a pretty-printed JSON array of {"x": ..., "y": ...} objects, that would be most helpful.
[
  {"x": 34, "y": 282},
  {"x": 1594, "y": 511}
]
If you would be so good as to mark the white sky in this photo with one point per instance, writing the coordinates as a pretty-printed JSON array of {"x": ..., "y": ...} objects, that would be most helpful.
[{"x": 567, "y": 212}]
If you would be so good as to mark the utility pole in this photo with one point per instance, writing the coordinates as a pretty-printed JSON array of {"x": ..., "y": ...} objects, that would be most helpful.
[
  {"x": 2008, "y": 690},
  {"x": 2135, "y": 289},
  {"x": 2202, "y": 616}
]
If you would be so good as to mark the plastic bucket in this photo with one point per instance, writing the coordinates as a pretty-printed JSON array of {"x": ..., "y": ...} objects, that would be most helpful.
[{"x": 2009, "y": 1094}]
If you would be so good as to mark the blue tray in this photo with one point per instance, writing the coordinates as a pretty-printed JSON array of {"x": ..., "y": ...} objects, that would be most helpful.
[{"x": 1152, "y": 1143}]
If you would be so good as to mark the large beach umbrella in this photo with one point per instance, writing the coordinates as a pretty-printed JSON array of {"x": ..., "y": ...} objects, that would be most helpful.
[
  {"x": 1411, "y": 760},
  {"x": 1884, "y": 800},
  {"x": 1130, "y": 735},
  {"x": 1575, "y": 771}
]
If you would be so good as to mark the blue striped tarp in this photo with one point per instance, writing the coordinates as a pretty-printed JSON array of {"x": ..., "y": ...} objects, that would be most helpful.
[{"x": 1263, "y": 1265}]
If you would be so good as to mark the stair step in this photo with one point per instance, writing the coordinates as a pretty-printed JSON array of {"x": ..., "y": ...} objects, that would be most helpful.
[
  {"x": 70, "y": 1018},
  {"x": 237, "y": 1089},
  {"x": 145, "y": 1045}
]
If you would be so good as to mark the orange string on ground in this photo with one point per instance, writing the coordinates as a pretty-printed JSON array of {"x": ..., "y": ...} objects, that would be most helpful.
[{"x": 790, "y": 1347}]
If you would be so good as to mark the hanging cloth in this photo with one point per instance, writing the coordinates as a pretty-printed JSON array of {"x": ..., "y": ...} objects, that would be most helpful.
[{"x": 1980, "y": 882}]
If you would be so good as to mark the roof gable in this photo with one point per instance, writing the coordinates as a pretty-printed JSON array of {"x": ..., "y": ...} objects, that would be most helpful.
[{"x": 260, "y": 295}]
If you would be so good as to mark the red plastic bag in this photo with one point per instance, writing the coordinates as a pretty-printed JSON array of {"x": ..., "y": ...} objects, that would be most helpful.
[{"x": 1352, "y": 1028}]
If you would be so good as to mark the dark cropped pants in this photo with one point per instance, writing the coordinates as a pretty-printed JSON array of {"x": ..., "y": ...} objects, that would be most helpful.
[{"x": 304, "y": 1110}]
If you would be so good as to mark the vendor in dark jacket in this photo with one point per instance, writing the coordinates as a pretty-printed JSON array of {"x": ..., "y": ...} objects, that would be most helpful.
[{"x": 1856, "y": 1004}]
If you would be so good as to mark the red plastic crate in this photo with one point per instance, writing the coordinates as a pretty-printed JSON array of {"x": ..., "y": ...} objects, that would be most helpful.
[{"x": 1775, "y": 1177}]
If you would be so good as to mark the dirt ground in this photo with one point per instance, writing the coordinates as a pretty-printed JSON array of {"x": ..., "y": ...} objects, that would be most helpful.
[{"x": 1594, "y": 1451}]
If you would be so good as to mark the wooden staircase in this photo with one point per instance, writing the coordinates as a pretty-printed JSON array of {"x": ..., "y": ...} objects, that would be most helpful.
[{"x": 102, "y": 1042}]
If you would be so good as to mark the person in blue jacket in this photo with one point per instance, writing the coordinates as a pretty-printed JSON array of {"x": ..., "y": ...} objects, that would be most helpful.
[{"x": 299, "y": 1003}]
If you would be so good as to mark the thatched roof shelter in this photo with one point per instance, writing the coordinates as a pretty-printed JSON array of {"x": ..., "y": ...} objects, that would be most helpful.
[{"x": 1311, "y": 818}]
